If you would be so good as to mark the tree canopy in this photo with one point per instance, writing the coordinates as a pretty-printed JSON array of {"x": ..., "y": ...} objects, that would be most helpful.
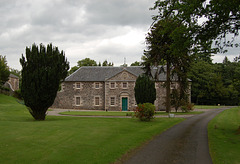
[
  {"x": 43, "y": 69},
  {"x": 217, "y": 83},
  {"x": 4, "y": 70},
  {"x": 136, "y": 63},
  {"x": 206, "y": 20},
  {"x": 168, "y": 44},
  {"x": 88, "y": 62}
]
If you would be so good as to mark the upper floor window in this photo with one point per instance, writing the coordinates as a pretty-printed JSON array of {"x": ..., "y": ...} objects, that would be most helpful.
[
  {"x": 112, "y": 85},
  {"x": 78, "y": 85},
  {"x": 97, "y": 85},
  {"x": 124, "y": 85}
]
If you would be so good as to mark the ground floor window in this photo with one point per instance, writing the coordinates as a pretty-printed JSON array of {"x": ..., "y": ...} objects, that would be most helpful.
[
  {"x": 78, "y": 100},
  {"x": 112, "y": 101},
  {"x": 97, "y": 101}
]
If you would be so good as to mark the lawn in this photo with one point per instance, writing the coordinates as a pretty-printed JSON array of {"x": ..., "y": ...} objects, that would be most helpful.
[
  {"x": 207, "y": 106},
  {"x": 224, "y": 137},
  {"x": 103, "y": 113},
  {"x": 70, "y": 139}
]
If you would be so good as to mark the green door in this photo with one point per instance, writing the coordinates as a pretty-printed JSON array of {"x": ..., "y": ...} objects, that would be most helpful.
[{"x": 124, "y": 104}]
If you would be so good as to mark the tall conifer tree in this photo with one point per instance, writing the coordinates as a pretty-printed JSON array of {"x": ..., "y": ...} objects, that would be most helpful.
[{"x": 43, "y": 69}]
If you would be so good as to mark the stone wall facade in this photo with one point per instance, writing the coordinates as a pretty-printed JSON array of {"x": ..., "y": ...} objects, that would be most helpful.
[
  {"x": 13, "y": 82},
  {"x": 108, "y": 95}
]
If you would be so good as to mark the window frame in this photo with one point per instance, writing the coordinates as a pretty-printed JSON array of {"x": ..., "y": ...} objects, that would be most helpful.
[
  {"x": 95, "y": 98},
  {"x": 126, "y": 85},
  {"x": 97, "y": 84},
  {"x": 78, "y": 85},
  {"x": 114, "y": 101},
  {"x": 111, "y": 85},
  {"x": 76, "y": 101}
]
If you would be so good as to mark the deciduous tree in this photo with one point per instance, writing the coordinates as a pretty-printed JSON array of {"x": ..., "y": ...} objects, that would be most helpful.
[
  {"x": 218, "y": 17},
  {"x": 87, "y": 62}
]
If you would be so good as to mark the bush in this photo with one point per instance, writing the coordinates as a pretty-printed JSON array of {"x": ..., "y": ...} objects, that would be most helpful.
[
  {"x": 188, "y": 107},
  {"x": 145, "y": 112},
  {"x": 4, "y": 88},
  {"x": 17, "y": 94},
  {"x": 145, "y": 91}
]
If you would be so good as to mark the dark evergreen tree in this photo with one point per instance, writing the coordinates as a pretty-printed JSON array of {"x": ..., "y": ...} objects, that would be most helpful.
[
  {"x": 105, "y": 63},
  {"x": 145, "y": 91},
  {"x": 43, "y": 69}
]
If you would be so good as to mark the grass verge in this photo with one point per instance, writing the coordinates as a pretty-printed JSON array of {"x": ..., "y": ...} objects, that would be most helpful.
[
  {"x": 207, "y": 106},
  {"x": 224, "y": 137},
  {"x": 70, "y": 139}
]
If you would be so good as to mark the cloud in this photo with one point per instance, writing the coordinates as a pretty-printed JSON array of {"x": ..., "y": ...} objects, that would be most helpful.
[{"x": 99, "y": 29}]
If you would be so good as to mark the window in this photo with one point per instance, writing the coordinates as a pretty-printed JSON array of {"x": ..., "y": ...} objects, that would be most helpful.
[
  {"x": 62, "y": 87},
  {"x": 97, "y": 101},
  {"x": 78, "y": 101},
  {"x": 97, "y": 85},
  {"x": 112, "y": 101},
  {"x": 112, "y": 85},
  {"x": 125, "y": 85},
  {"x": 78, "y": 85}
]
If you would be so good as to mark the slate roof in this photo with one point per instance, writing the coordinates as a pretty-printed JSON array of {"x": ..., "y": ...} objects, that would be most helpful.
[
  {"x": 14, "y": 76},
  {"x": 97, "y": 73}
]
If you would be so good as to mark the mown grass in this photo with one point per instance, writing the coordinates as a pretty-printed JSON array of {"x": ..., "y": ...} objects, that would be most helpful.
[
  {"x": 207, "y": 106},
  {"x": 70, "y": 139},
  {"x": 103, "y": 113},
  {"x": 224, "y": 137}
]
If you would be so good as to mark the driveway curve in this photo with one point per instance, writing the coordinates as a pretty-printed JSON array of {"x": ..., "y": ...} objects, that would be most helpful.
[{"x": 185, "y": 143}]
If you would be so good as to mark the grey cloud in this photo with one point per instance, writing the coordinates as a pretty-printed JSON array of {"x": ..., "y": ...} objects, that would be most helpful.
[
  {"x": 77, "y": 27},
  {"x": 124, "y": 12}
]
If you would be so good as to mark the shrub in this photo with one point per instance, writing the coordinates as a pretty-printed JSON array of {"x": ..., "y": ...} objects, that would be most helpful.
[
  {"x": 17, "y": 94},
  {"x": 144, "y": 89},
  {"x": 188, "y": 107},
  {"x": 145, "y": 112}
]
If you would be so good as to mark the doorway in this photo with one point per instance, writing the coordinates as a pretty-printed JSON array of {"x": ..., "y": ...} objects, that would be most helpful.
[{"x": 124, "y": 104}]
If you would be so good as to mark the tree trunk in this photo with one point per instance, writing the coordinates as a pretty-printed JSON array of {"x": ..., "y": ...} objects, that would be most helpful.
[
  {"x": 168, "y": 83},
  {"x": 37, "y": 114}
]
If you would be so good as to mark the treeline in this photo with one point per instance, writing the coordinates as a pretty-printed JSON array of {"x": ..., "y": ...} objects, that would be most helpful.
[
  {"x": 91, "y": 62},
  {"x": 217, "y": 83}
]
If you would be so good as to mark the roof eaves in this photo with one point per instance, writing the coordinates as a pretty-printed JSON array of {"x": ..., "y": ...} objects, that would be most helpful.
[{"x": 66, "y": 79}]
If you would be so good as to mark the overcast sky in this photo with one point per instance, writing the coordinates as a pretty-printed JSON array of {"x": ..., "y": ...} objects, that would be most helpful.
[{"x": 98, "y": 29}]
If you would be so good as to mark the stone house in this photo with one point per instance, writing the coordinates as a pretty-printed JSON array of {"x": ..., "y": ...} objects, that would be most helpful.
[
  {"x": 105, "y": 88},
  {"x": 12, "y": 83}
]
